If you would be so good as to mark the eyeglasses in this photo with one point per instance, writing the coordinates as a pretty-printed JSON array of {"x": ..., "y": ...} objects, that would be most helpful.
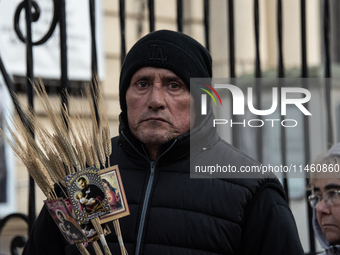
[{"x": 330, "y": 197}]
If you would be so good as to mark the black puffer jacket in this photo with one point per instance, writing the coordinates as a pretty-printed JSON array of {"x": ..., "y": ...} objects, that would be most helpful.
[{"x": 172, "y": 213}]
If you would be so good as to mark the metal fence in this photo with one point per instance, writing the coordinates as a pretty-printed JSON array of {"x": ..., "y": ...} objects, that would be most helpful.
[{"x": 60, "y": 19}]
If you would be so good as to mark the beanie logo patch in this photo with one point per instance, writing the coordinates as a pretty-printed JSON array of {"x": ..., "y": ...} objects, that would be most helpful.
[{"x": 157, "y": 54}]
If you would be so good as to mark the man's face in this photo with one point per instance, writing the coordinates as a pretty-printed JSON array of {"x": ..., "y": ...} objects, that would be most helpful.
[
  {"x": 158, "y": 106},
  {"x": 328, "y": 215},
  {"x": 82, "y": 184}
]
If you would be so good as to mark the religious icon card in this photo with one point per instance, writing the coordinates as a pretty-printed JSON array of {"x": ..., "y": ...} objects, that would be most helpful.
[
  {"x": 65, "y": 222},
  {"x": 87, "y": 228},
  {"x": 115, "y": 193},
  {"x": 87, "y": 194}
]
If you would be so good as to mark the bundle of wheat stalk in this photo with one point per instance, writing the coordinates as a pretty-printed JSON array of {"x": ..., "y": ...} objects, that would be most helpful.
[{"x": 71, "y": 144}]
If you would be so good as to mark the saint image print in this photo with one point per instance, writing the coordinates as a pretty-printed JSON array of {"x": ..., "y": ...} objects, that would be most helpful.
[
  {"x": 65, "y": 222},
  {"x": 114, "y": 190},
  {"x": 87, "y": 194},
  {"x": 90, "y": 197}
]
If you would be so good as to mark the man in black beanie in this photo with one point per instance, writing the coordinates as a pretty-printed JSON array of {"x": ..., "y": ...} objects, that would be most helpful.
[{"x": 171, "y": 213}]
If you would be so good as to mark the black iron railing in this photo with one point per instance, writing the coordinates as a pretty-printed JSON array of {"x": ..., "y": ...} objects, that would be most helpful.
[
  {"x": 18, "y": 241},
  {"x": 32, "y": 14},
  {"x": 32, "y": 11}
]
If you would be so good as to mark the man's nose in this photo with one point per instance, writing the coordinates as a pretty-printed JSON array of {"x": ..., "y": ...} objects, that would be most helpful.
[
  {"x": 157, "y": 97},
  {"x": 323, "y": 207}
]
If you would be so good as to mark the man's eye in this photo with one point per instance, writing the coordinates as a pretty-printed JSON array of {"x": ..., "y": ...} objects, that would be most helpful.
[
  {"x": 331, "y": 193},
  {"x": 142, "y": 84},
  {"x": 174, "y": 86}
]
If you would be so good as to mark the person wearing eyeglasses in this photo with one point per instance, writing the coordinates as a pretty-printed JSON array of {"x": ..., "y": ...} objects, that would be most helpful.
[{"x": 325, "y": 201}]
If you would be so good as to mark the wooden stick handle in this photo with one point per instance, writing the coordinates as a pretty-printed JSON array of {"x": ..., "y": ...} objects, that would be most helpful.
[
  {"x": 96, "y": 248},
  {"x": 82, "y": 249},
  {"x": 100, "y": 233},
  {"x": 120, "y": 237}
]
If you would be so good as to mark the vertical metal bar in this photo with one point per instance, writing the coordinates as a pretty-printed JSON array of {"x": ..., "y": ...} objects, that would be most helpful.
[
  {"x": 304, "y": 69},
  {"x": 258, "y": 86},
  {"x": 180, "y": 15},
  {"x": 326, "y": 34},
  {"x": 257, "y": 39},
  {"x": 151, "y": 6},
  {"x": 304, "y": 75},
  {"x": 306, "y": 134},
  {"x": 29, "y": 51},
  {"x": 280, "y": 41},
  {"x": 231, "y": 39},
  {"x": 206, "y": 24},
  {"x": 231, "y": 25},
  {"x": 122, "y": 30},
  {"x": 30, "y": 76},
  {"x": 94, "y": 60},
  {"x": 280, "y": 85},
  {"x": 63, "y": 52}
]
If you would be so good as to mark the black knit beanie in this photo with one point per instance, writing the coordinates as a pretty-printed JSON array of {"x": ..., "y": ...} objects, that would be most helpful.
[{"x": 166, "y": 49}]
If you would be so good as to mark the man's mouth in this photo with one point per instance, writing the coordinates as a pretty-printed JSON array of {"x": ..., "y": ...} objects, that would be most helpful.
[
  {"x": 155, "y": 119},
  {"x": 329, "y": 225}
]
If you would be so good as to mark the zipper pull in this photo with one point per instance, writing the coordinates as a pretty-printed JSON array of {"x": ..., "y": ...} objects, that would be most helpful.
[{"x": 152, "y": 168}]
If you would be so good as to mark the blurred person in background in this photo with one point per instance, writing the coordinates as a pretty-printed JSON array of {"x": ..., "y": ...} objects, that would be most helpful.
[{"x": 325, "y": 200}]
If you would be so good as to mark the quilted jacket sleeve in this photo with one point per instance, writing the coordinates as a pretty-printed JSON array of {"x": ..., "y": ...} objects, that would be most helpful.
[
  {"x": 45, "y": 237},
  {"x": 270, "y": 226}
]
